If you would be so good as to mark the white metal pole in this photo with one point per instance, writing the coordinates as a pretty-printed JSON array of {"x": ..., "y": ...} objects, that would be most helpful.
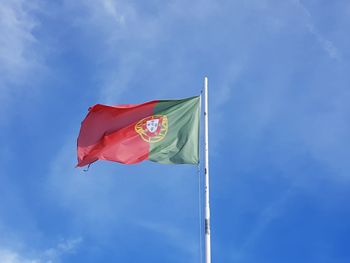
[{"x": 206, "y": 175}]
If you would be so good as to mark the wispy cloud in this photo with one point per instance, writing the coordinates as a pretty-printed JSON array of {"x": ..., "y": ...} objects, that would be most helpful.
[
  {"x": 66, "y": 246},
  {"x": 16, "y": 26},
  {"x": 267, "y": 215},
  {"x": 51, "y": 255},
  {"x": 111, "y": 7},
  {"x": 9, "y": 256},
  {"x": 112, "y": 22},
  {"x": 20, "y": 56},
  {"x": 146, "y": 30},
  {"x": 327, "y": 45}
]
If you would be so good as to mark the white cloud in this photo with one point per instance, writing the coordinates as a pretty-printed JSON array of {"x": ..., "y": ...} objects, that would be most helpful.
[
  {"x": 51, "y": 255},
  {"x": 111, "y": 8},
  {"x": 20, "y": 57},
  {"x": 16, "y": 26},
  {"x": 110, "y": 21},
  {"x": 67, "y": 246},
  {"x": 103, "y": 15},
  {"x": 9, "y": 256},
  {"x": 325, "y": 43},
  {"x": 115, "y": 23}
]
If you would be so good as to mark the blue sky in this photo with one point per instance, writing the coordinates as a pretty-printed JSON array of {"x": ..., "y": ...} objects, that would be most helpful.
[{"x": 279, "y": 130}]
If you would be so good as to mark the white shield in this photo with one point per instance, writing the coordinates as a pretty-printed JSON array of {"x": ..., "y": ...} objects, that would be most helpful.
[{"x": 152, "y": 125}]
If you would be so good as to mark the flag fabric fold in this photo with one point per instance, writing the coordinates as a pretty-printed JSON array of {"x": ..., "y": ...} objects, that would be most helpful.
[{"x": 163, "y": 131}]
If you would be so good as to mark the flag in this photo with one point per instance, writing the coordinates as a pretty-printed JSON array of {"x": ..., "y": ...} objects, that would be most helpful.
[{"x": 163, "y": 131}]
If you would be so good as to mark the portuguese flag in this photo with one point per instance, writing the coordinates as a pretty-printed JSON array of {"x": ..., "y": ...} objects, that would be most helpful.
[{"x": 163, "y": 131}]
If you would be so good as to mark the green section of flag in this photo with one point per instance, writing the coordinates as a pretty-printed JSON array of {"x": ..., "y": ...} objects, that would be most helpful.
[{"x": 181, "y": 143}]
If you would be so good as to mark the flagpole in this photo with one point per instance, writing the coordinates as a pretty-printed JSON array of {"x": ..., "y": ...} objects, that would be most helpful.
[{"x": 206, "y": 176}]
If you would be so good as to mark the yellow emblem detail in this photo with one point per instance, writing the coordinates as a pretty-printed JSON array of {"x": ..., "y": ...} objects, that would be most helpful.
[{"x": 153, "y": 128}]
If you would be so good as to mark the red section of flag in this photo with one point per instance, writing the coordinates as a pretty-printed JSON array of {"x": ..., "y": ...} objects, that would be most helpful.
[{"x": 108, "y": 133}]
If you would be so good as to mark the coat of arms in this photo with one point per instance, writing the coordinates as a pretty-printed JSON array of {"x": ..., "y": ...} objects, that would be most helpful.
[{"x": 152, "y": 128}]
